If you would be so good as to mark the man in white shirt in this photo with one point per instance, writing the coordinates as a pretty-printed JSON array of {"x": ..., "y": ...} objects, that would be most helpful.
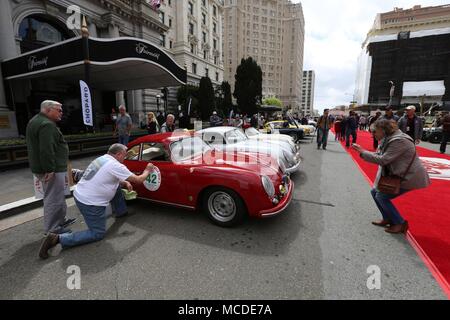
[{"x": 100, "y": 185}]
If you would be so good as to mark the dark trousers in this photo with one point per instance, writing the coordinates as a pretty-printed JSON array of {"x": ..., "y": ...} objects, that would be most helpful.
[
  {"x": 348, "y": 134},
  {"x": 445, "y": 138}
]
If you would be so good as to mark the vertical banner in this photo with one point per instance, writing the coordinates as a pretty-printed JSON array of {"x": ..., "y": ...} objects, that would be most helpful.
[
  {"x": 86, "y": 103},
  {"x": 189, "y": 107}
]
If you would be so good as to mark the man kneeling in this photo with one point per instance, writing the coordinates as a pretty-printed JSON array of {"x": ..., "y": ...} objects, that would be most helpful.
[{"x": 100, "y": 185}]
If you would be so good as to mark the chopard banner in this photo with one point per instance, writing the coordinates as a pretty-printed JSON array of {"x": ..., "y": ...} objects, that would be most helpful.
[
  {"x": 86, "y": 102},
  {"x": 101, "y": 52}
]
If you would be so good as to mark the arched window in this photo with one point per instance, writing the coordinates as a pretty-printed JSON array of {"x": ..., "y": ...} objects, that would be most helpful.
[{"x": 38, "y": 31}]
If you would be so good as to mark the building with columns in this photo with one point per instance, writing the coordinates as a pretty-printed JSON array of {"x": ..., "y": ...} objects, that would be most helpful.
[
  {"x": 194, "y": 37},
  {"x": 33, "y": 24},
  {"x": 272, "y": 33}
]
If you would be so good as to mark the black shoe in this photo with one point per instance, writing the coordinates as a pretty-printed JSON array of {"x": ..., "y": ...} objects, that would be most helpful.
[
  {"x": 67, "y": 223},
  {"x": 49, "y": 242},
  {"x": 318, "y": 147},
  {"x": 324, "y": 148}
]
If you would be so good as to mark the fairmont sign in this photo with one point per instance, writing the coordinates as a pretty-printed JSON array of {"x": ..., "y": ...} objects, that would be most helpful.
[
  {"x": 34, "y": 62},
  {"x": 143, "y": 49}
]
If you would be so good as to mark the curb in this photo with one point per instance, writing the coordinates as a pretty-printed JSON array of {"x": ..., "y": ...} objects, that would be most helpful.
[{"x": 23, "y": 205}]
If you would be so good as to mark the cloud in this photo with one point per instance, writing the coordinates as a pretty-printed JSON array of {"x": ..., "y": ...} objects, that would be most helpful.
[{"x": 335, "y": 30}]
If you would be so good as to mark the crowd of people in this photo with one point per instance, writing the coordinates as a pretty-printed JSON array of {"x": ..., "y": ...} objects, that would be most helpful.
[{"x": 395, "y": 140}]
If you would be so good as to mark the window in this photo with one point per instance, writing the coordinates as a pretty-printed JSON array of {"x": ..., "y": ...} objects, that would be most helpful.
[
  {"x": 215, "y": 27},
  {"x": 191, "y": 28},
  {"x": 133, "y": 153},
  {"x": 203, "y": 19},
  {"x": 204, "y": 37},
  {"x": 206, "y": 72},
  {"x": 217, "y": 76},
  {"x": 37, "y": 32},
  {"x": 215, "y": 44},
  {"x": 170, "y": 23},
  {"x": 194, "y": 68},
  {"x": 205, "y": 54},
  {"x": 214, "y": 11},
  {"x": 154, "y": 152},
  {"x": 163, "y": 40},
  {"x": 162, "y": 17},
  {"x": 191, "y": 8}
]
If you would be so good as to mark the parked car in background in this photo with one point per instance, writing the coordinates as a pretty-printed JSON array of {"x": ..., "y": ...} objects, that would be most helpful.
[
  {"x": 283, "y": 127},
  {"x": 190, "y": 174},
  {"x": 229, "y": 139},
  {"x": 254, "y": 134},
  {"x": 432, "y": 135}
]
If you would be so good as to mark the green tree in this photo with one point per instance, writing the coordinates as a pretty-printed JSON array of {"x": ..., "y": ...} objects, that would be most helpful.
[
  {"x": 206, "y": 98},
  {"x": 272, "y": 101},
  {"x": 183, "y": 95},
  {"x": 224, "y": 103},
  {"x": 248, "y": 88}
]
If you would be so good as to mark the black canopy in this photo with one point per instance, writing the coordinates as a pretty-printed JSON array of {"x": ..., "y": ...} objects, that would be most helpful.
[{"x": 116, "y": 64}]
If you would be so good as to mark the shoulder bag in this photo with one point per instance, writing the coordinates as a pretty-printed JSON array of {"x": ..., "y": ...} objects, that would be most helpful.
[{"x": 390, "y": 184}]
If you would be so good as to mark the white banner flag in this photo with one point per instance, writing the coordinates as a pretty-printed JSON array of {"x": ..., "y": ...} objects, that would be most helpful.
[{"x": 86, "y": 103}]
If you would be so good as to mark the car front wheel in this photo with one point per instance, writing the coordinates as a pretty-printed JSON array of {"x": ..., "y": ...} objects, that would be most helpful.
[
  {"x": 224, "y": 207},
  {"x": 434, "y": 138}
]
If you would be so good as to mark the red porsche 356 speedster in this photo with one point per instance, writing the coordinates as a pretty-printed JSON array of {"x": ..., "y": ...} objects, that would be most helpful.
[{"x": 190, "y": 174}]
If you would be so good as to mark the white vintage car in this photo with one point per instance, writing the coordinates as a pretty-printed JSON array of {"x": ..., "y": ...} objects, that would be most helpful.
[
  {"x": 231, "y": 139},
  {"x": 254, "y": 134}
]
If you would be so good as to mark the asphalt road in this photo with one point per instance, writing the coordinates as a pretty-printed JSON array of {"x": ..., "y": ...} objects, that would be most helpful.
[{"x": 319, "y": 248}]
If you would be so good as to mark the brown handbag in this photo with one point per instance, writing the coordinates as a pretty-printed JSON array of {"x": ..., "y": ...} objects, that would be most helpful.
[{"x": 391, "y": 184}]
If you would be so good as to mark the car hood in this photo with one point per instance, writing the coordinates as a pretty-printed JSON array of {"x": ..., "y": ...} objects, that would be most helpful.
[{"x": 253, "y": 162}]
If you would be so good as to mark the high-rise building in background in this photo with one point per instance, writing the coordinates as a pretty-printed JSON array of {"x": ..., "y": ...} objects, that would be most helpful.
[
  {"x": 195, "y": 36},
  {"x": 309, "y": 78},
  {"x": 272, "y": 33},
  {"x": 411, "y": 48}
]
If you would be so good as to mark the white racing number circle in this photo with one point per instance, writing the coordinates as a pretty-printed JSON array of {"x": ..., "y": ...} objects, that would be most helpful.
[{"x": 153, "y": 181}]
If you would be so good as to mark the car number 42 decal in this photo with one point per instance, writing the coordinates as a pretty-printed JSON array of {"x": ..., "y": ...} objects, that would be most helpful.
[{"x": 153, "y": 181}]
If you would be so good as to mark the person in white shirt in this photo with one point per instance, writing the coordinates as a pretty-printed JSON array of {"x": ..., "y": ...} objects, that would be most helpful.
[{"x": 100, "y": 185}]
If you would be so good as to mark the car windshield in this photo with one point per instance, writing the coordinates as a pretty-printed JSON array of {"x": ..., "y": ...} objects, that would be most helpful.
[
  {"x": 188, "y": 148},
  {"x": 251, "y": 132},
  {"x": 235, "y": 136},
  {"x": 277, "y": 125}
]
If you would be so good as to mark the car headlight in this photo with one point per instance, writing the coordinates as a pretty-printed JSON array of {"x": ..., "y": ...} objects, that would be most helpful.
[{"x": 268, "y": 186}]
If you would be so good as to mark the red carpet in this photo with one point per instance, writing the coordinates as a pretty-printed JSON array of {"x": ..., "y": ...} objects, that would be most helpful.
[{"x": 427, "y": 210}]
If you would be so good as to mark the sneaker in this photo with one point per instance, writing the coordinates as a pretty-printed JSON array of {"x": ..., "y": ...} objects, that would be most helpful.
[
  {"x": 68, "y": 222},
  {"x": 49, "y": 242}
]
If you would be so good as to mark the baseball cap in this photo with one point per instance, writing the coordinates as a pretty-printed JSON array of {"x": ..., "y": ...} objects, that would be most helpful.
[{"x": 411, "y": 108}]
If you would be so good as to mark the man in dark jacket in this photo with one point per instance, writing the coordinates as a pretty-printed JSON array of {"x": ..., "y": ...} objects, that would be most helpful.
[
  {"x": 371, "y": 122},
  {"x": 411, "y": 124},
  {"x": 48, "y": 156},
  {"x": 352, "y": 126},
  {"x": 445, "y": 122},
  {"x": 389, "y": 115},
  {"x": 323, "y": 127}
]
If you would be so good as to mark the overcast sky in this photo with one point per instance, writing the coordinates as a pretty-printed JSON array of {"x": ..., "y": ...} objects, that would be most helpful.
[{"x": 335, "y": 30}]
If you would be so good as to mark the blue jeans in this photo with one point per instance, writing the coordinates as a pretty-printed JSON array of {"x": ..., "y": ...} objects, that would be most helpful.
[
  {"x": 95, "y": 218},
  {"x": 386, "y": 207},
  {"x": 124, "y": 139},
  {"x": 322, "y": 137}
]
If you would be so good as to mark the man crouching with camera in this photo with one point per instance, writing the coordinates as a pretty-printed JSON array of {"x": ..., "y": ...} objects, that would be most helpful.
[{"x": 99, "y": 186}]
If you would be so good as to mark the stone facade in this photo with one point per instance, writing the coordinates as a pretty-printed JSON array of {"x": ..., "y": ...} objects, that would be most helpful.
[
  {"x": 272, "y": 32},
  {"x": 309, "y": 79}
]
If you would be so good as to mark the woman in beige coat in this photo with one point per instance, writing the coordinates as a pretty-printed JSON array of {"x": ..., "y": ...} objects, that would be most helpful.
[{"x": 394, "y": 156}]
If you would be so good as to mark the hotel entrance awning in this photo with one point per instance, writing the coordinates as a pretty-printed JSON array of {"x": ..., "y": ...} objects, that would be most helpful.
[{"x": 116, "y": 64}]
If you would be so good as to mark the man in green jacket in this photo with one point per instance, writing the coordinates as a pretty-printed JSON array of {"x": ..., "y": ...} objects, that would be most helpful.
[{"x": 48, "y": 155}]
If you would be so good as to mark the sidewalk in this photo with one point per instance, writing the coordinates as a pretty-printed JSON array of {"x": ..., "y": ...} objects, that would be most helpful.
[{"x": 18, "y": 183}]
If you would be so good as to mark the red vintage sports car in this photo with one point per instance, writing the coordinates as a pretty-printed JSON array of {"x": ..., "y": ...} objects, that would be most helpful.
[{"x": 190, "y": 174}]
